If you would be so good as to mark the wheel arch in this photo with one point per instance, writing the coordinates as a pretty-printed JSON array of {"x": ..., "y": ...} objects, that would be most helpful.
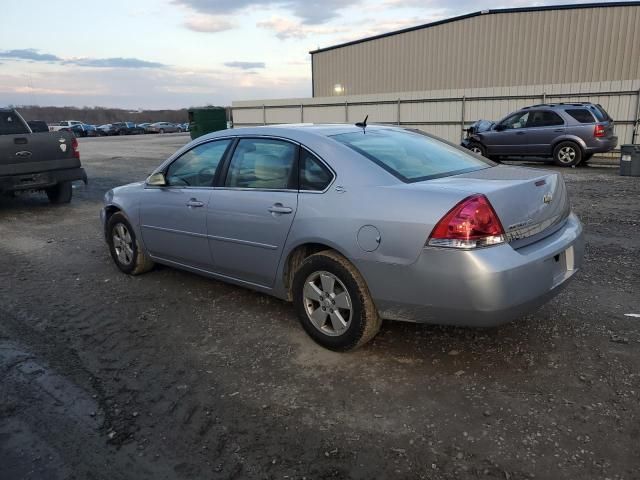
[
  {"x": 569, "y": 138},
  {"x": 296, "y": 256}
]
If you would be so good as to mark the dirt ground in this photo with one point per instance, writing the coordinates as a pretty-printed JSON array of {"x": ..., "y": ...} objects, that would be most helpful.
[{"x": 170, "y": 375}]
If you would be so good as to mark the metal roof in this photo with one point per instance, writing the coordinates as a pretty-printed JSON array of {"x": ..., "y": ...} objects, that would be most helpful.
[{"x": 477, "y": 14}]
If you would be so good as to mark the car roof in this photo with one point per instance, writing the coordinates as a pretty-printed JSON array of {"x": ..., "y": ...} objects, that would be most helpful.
[
  {"x": 563, "y": 105},
  {"x": 306, "y": 129}
]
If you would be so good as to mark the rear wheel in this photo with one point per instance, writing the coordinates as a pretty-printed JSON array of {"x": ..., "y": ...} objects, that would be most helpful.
[
  {"x": 162, "y": 130},
  {"x": 125, "y": 248},
  {"x": 60, "y": 193},
  {"x": 333, "y": 302},
  {"x": 567, "y": 154}
]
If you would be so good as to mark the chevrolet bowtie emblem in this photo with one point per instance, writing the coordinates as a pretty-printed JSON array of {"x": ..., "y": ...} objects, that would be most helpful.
[{"x": 547, "y": 198}]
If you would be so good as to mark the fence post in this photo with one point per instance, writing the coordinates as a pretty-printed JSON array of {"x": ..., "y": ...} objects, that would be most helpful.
[
  {"x": 301, "y": 113},
  {"x": 544, "y": 97},
  {"x": 264, "y": 114},
  {"x": 636, "y": 121},
  {"x": 464, "y": 104},
  {"x": 346, "y": 111},
  {"x": 398, "y": 112}
]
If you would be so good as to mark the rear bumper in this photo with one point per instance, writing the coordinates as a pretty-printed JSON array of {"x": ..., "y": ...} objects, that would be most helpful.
[
  {"x": 40, "y": 180},
  {"x": 481, "y": 288},
  {"x": 601, "y": 145}
]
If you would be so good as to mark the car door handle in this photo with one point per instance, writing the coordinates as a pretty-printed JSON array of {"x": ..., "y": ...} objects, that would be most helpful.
[
  {"x": 195, "y": 203},
  {"x": 560, "y": 130},
  {"x": 23, "y": 154},
  {"x": 279, "y": 208}
]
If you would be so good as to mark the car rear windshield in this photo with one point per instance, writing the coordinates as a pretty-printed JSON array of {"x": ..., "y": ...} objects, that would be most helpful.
[
  {"x": 411, "y": 157},
  {"x": 10, "y": 124},
  {"x": 581, "y": 115},
  {"x": 600, "y": 113}
]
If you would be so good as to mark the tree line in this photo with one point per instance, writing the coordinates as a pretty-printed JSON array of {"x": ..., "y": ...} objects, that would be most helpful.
[{"x": 100, "y": 115}]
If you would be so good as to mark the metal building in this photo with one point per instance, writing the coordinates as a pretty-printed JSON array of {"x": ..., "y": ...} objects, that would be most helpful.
[{"x": 493, "y": 48}]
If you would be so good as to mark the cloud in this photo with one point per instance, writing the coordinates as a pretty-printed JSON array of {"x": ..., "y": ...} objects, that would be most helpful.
[
  {"x": 245, "y": 65},
  {"x": 208, "y": 24},
  {"x": 311, "y": 12},
  {"x": 33, "y": 55},
  {"x": 288, "y": 28},
  {"x": 28, "y": 54}
]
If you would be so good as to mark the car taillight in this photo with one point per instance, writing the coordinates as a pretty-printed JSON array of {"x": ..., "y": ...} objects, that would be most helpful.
[
  {"x": 599, "y": 131},
  {"x": 74, "y": 148},
  {"x": 472, "y": 223}
]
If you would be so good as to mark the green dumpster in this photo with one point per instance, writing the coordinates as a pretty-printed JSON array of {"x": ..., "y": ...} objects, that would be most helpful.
[{"x": 206, "y": 120}]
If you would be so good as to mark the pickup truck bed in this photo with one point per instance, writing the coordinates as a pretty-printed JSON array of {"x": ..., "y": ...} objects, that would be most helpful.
[{"x": 47, "y": 161}]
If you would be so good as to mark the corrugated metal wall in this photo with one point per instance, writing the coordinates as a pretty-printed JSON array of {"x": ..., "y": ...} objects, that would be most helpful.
[
  {"x": 492, "y": 50},
  {"x": 441, "y": 112}
]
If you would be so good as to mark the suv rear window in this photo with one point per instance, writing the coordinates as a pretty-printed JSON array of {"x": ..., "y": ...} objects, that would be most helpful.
[
  {"x": 581, "y": 115},
  {"x": 600, "y": 113},
  {"x": 411, "y": 157}
]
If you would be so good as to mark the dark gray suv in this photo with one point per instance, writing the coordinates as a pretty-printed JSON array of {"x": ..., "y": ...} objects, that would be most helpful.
[{"x": 570, "y": 133}]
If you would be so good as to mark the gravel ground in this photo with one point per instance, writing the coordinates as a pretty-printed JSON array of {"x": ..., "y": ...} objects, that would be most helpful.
[{"x": 170, "y": 375}]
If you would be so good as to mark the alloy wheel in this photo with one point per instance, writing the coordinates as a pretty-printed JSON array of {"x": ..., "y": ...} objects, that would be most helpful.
[
  {"x": 567, "y": 154},
  {"x": 327, "y": 303},
  {"x": 122, "y": 244}
]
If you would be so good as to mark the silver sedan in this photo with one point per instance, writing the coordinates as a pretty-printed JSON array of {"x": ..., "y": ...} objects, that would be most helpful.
[{"x": 353, "y": 225}]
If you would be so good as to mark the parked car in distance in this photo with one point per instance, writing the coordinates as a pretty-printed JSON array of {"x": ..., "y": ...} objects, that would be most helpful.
[
  {"x": 126, "y": 128},
  {"x": 353, "y": 227},
  {"x": 162, "y": 127},
  {"x": 45, "y": 161},
  {"x": 83, "y": 130},
  {"x": 54, "y": 127},
  {"x": 144, "y": 126},
  {"x": 569, "y": 133},
  {"x": 105, "y": 129},
  {"x": 38, "y": 126}
]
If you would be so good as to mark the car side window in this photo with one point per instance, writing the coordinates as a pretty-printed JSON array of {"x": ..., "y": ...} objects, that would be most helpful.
[
  {"x": 197, "y": 167},
  {"x": 544, "y": 118},
  {"x": 582, "y": 115},
  {"x": 314, "y": 175},
  {"x": 262, "y": 163},
  {"x": 517, "y": 120}
]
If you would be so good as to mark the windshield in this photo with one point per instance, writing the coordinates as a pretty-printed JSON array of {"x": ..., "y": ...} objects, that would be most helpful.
[{"x": 411, "y": 157}]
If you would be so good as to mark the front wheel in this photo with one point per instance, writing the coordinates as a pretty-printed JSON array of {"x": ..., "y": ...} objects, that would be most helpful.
[
  {"x": 478, "y": 149},
  {"x": 567, "y": 154},
  {"x": 125, "y": 248},
  {"x": 60, "y": 193},
  {"x": 333, "y": 302}
]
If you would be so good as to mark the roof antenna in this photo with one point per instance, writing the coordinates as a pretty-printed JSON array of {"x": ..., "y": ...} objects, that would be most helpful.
[{"x": 363, "y": 125}]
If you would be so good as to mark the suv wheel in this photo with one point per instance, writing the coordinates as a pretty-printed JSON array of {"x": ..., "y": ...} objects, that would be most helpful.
[
  {"x": 567, "y": 154},
  {"x": 478, "y": 149},
  {"x": 333, "y": 302}
]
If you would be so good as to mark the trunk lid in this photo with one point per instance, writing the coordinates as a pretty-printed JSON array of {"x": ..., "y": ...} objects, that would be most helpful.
[
  {"x": 530, "y": 203},
  {"x": 36, "y": 152}
]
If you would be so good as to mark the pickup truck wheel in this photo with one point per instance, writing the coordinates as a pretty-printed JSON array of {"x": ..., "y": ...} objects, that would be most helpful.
[
  {"x": 125, "y": 249},
  {"x": 333, "y": 302},
  {"x": 567, "y": 154},
  {"x": 60, "y": 193}
]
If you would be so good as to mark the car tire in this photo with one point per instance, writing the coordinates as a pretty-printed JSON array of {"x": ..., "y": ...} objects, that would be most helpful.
[
  {"x": 161, "y": 130},
  {"x": 125, "y": 248},
  {"x": 60, "y": 193},
  {"x": 567, "y": 154},
  {"x": 478, "y": 149},
  {"x": 328, "y": 291}
]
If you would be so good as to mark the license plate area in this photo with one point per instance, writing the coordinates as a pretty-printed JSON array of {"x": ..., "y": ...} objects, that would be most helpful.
[{"x": 32, "y": 180}]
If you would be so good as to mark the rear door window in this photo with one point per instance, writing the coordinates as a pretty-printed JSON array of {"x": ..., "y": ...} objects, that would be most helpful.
[
  {"x": 581, "y": 115},
  {"x": 544, "y": 118},
  {"x": 263, "y": 163},
  {"x": 411, "y": 157}
]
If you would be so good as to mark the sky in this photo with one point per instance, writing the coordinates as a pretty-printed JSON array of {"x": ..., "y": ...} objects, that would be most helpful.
[{"x": 153, "y": 54}]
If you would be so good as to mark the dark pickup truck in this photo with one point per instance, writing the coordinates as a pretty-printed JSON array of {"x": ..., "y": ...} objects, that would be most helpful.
[{"x": 48, "y": 161}]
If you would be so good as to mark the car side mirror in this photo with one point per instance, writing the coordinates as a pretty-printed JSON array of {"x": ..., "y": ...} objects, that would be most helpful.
[
  {"x": 157, "y": 180},
  {"x": 500, "y": 127}
]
